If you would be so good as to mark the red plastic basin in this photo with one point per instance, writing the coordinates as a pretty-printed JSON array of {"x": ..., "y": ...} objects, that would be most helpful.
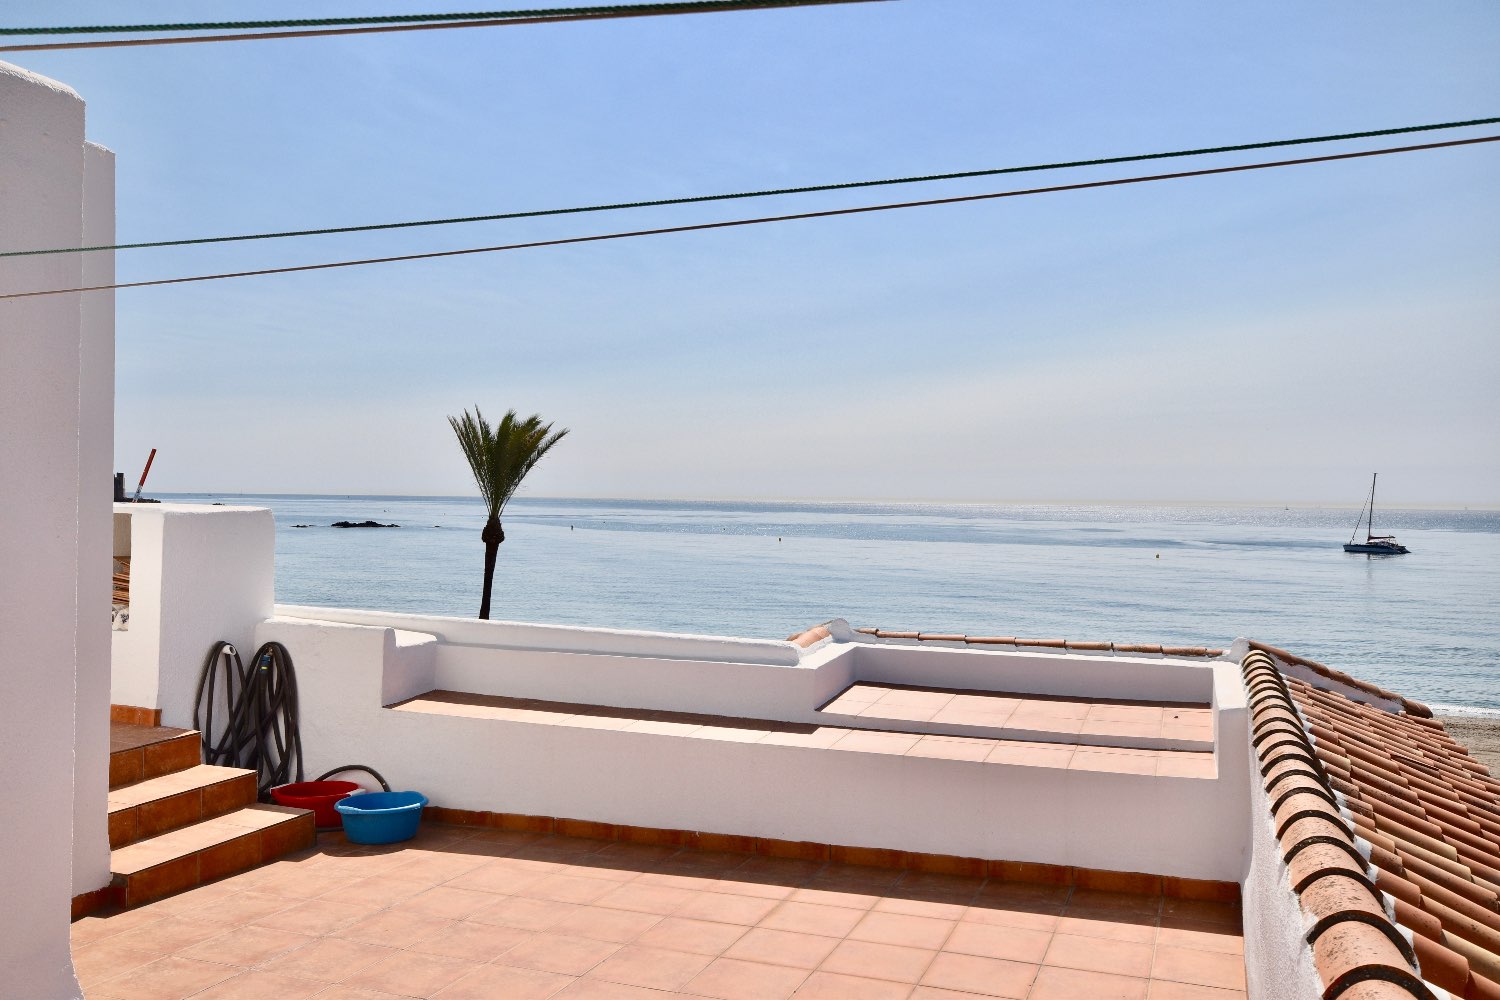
[{"x": 319, "y": 796}]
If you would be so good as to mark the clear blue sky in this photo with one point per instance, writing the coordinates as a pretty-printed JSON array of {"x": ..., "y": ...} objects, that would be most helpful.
[{"x": 1268, "y": 336}]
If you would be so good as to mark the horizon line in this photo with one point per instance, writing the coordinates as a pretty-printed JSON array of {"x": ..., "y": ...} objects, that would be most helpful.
[{"x": 912, "y": 501}]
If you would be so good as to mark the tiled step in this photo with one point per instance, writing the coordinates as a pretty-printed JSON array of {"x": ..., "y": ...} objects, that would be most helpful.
[
  {"x": 190, "y": 856},
  {"x": 155, "y": 806},
  {"x": 1038, "y": 718},
  {"x": 140, "y": 752}
]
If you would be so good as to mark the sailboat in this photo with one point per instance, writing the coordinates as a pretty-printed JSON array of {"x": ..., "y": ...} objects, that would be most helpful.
[{"x": 1380, "y": 545}]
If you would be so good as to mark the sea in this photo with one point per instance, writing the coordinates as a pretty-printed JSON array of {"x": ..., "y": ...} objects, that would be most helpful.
[{"x": 1425, "y": 624}]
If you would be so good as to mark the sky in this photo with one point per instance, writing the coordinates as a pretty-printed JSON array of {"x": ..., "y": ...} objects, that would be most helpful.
[{"x": 1272, "y": 336}]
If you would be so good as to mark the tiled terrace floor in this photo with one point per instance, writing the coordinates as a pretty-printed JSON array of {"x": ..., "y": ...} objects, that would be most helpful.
[
  {"x": 464, "y": 914},
  {"x": 980, "y": 749},
  {"x": 1022, "y": 712}
]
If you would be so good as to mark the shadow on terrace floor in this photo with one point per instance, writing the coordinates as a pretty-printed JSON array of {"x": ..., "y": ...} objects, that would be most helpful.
[{"x": 462, "y": 914}]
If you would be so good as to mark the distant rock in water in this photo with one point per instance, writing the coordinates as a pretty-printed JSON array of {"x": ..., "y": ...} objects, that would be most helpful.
[
  {"x": 363, "y": 524},
  {"x": 302, "y": 526}
]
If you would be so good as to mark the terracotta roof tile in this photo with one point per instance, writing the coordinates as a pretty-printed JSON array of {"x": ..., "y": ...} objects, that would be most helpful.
[{"x": 1379, "y": 812}]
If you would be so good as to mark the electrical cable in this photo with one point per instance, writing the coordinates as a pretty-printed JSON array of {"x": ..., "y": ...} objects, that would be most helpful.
[
  {"x": 742, "y": 195},
  {"x": 262, "y": 732},
  {"x": 732, "y": 223},
  {"x": 398, "y": 22}
]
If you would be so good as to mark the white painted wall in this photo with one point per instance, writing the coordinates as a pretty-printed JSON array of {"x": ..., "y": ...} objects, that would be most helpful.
[
  {"x": 1278, "y": 959},
  {"x": 96, "y": 413},
  {"x": 1172, "y": 826},
  {"x": 198, "y": 574},
  {"x": 41, "y": 205}
]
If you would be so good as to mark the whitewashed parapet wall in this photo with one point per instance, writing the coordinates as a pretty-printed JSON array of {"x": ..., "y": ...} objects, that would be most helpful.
[
  {"x": 198, "y": 574},
  {"x": 351, "y": 663},
  {"x": 56, "y": 375}
]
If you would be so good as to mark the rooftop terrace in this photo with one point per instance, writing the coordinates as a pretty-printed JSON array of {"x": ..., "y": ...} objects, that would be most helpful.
[{"x": 468, "y": 914}]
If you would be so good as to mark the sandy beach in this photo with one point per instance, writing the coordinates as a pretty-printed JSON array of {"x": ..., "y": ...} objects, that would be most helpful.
[{"x": 1480, "y": 735}]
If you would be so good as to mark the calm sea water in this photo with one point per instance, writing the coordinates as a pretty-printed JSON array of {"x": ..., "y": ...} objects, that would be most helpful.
[{"x": 1426, "y": 624}]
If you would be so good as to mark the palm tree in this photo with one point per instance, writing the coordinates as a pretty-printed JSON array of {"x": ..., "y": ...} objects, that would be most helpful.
[{"x": 500, "y": 457}]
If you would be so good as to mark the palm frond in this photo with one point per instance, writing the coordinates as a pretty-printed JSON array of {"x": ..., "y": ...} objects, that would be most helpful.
[{"x": 501, "y": 456}]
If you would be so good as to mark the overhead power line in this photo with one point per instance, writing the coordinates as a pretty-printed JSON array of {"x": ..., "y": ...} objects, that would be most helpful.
[
  {"x": 733, "y": 223},
  {"x": 321, "y": 27},
  {"x": 741, "y": 195}
]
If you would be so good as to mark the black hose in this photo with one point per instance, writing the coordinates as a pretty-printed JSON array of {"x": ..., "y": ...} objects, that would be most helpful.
[
  {"x": 385, "y": 785},
  {"x": 262, "y": 733}
]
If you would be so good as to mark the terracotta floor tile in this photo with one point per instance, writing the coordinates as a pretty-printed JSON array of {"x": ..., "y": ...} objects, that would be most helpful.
[
  {"x": 728, "y": 979},
  {"x": 394, "y": 928},
  {"x": 327, "y": 960},
  {"x": 834, "y": 986},
  {"x": 1222, "y": 940},
  {"x": 645, "y": 898},
  {"x": 519, "y": 911},
  {"x": 934, "y": 993},
  {"x": 605, "y": 924},
  {"x": 98, "y": 927},
  {"x": 1186, "y": 765},
  {"x": 1199, "y": 968},
  {"x": 497, "y": 877},
  {"x": 934, "y": 909},
  {"x": 1096, "y": 902},
  {"x": 1164, "y": 990},
  {"x": 817, "y": 893},
  {"x": 902, "y": 929},
  {"x": 655, "y": 968},
  {"x": 998, "y": 941},
  {"x": 725, "y": 908},
  {"x": 1121, "y": 958},
  {"x": 810, "y": 918},
  {"x": 354, "y": 993},
  {"x": 1072, "y": 984},
  {"x": 547, "y": 952},
  {"x": 986, "y": 976},
  {"x": 603, "y": 989},
  {"x": 494, "y": 982},
  {"x": 700, "y": 937},
  {"x": 567, "y": 888},
  {"x": 316, "y": 916},
  {"x": 101, "y": 960},
  {"x": 445, "y": 901},
  {"x": 879, "y": 961},
  {"x": 1030, "y": 755},
  {"x": 870, "y": 741},
  {"x": 374, "y": 891},
  {"x": 792, "y": 948},
  {"x": 410, "y": 973},
  {"x": 472, "y": 942},
  {"x": 299, "y": 883},
  {"x": 1087, "y": 759},
  {"x": 245, "y": 946},
  {"x": 439, "y": 867},
  {"x": 779, "y": 871},
  {"x": 168, "y": 978},
  {"x": 261, "y": 986},
  {"x": 855, "y": 878},
  {"x": 1199, "y": 913},
  {"x": 240, "y": 908},
  {"x": 1123, "y": 927},
  {"x": 952, "y": 748},
  {"x": 168, "y": 935},
  {"x": 760, "y": 890}
]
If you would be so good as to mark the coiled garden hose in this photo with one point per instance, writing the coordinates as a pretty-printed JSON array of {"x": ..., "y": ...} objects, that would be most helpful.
[
  {"x": 384, "y": 785},
  {"x": 261, "y": 732}
]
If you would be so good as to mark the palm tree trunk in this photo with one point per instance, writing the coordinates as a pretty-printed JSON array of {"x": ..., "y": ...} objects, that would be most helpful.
[{"x": 492, "y": 536}]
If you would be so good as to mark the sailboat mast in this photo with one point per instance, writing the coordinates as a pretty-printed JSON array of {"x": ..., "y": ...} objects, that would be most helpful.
[{"x": 1371, "y": 527}]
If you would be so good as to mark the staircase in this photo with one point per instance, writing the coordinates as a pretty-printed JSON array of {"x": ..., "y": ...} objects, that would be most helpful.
[{"x": 175, "y": 822}]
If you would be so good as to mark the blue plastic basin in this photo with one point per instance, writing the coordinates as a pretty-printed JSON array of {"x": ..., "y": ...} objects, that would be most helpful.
[{"x": 381, "y": 817}]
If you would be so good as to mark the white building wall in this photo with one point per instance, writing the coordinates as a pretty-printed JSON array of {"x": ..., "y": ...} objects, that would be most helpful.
[
  {"x": 41, "y": 205},
  {"x": 96, "y": 412},
  {"x": 198, "y": 574}
]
